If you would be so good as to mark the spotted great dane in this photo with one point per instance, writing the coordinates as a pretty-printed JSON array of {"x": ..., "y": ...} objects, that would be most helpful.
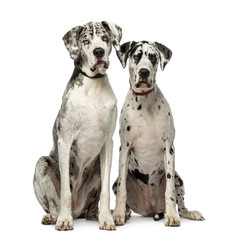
[
  {"x": 76, "y": 174},
  {"x": 147, "y": 182}
]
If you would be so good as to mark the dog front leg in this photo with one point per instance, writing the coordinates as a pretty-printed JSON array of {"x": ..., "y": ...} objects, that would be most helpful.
[
  {"x": 65, "y": 219},
  {"x": 119, "y": 212},
  {"x": 171, "y": 215},
  {"x": 105, "y": 218}
]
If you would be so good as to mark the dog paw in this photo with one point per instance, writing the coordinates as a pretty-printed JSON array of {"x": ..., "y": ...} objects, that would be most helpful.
[
  {"x": 107, "y": 225},
  {"x": 193, "y": 215},
  {"x": 49, "y": 219},
  {"x": 172, "y": 221},
  {"x": 64, "y": 223},
  {"x": 106, "y": 221},
  {"x": 119, "y": 218},
  {"x": 128, "y": 213}
]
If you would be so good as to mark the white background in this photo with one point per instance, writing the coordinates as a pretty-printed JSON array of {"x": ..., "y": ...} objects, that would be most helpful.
[{"x": 35, "y": 68}]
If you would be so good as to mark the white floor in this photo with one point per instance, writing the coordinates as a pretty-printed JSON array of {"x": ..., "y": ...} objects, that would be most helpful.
[{"x": 136, "y": 228}]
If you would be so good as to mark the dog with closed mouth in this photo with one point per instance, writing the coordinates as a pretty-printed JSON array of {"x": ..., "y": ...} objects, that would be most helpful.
[
  {"x": 148, "y": 183},
  {"x": 72, "y": 179}
]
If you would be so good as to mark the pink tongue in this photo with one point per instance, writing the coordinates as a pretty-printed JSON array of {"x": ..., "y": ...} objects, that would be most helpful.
[{"x": 143, "y": 85}]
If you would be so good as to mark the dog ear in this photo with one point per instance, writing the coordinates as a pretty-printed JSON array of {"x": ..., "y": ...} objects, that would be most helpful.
[
  {"x": 123, "y": 53},
  {"x": 115, "y": 32},
  {"x": 70, "y": 39},
  {"x": 164, "y": 52}
]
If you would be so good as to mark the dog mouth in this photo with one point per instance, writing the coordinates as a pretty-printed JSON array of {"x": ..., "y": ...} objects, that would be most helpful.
[
  {"x": 100, "y": 63},
  {"x": 143, "y": 83}
]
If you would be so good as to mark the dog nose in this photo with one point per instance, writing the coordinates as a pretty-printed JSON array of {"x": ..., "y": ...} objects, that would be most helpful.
[
  {"x": 99, "y": 52},
  {"x": 144, "y": 73}
]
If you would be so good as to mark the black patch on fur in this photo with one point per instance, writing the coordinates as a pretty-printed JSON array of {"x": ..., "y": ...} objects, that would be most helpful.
[
  {"x": 142, "y": 177},
  {"x": 158, "y": 216},
  {"x": 126, "y": 48},
  {"x": 47, "y": 160},
  {"x": 127, "y": 144},
  {"x": 128, "y": 128},
  {"x": 152, "y": 58},
  {"x": 164, "y": 50},
  {"x": 135, "y": 160},
  {"x": 75, "y": 73},
  {"x": 134, "y": 49},
  {"x": 47, "y": 167},
  {"x": 46, "y": 203},
  {"x": 171, "y": 151},
  {"x": 114, "y": 185},
  {"x": 59, "y": 126},
  {"x": 138, "y": 57},
  {"x": 179, "y": 181},
  {"x": 169, "y": 176},
  {"x": 139, "y": 107},
  {"x": 160, "y": 172}
]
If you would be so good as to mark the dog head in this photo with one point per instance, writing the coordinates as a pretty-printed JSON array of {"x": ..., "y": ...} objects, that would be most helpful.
[
  {"x": 143, "y": 62},
  {"x": 90, "y": 45}
]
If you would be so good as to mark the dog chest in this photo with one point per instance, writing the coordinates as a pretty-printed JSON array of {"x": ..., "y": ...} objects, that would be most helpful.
[
  {"x": 148, "y": 149},
  {"x": 150, "y": 123},
  {"x": 89, "y": 108},
  {"x": 87, "y": 118}
]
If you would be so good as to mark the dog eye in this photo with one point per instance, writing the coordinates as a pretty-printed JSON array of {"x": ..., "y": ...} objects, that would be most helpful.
[
  {"x": 105, "y": 38},
  {"x": 86, "y": 42},
  {"x": 152, "y": 56},
  {"x": 136, "y": 57}
]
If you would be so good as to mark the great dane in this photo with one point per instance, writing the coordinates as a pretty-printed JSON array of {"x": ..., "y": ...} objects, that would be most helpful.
[
  {"x": 147, "y": 182},
  {"x": 76, "y": 174}
]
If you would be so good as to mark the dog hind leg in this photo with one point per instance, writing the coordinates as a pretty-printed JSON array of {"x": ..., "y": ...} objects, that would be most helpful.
[
  {"x": 47, "y": 188},
  {"x": 183, "y": 211},
  {"x": 92, "y": 212}
]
